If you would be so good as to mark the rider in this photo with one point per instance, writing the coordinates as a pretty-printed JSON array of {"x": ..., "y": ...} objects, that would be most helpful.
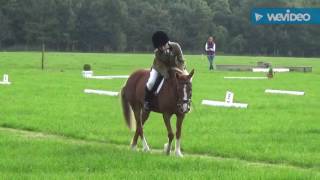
[{"x": 167, "y": 55}]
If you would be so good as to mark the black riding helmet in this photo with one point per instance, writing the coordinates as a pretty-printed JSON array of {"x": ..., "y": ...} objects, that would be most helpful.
[{"x": 159, "y": 38}]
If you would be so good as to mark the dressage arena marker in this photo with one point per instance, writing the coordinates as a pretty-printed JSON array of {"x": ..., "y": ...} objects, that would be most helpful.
[
  {"x": 227, "y": 103},
  {"x": 101, "y": 92},
  {"x": 109, "y": 77},
  {"x": 245, "y": 78},
  {"x": 229, "y": 97},
  {"x": 267, "y": 70},
  {"x": 298, "y": 93},
  {"x": 5, "y": 80}
]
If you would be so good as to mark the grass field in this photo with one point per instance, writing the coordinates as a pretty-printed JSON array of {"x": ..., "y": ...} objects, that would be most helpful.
[{"x": 84, "y": 136}]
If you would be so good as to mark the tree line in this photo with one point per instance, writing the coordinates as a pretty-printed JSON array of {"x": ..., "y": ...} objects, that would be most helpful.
[{"x": 127, "y": 26}]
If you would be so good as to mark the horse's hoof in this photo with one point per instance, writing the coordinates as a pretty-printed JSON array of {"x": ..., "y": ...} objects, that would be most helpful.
[
  {"x": 145, "y": 145},
  {"x": 134, "y": 147},
  {"x": 166, "y": 149},
  {"x": 146, "y": 149},
  {"x": 179, "y": 154}
]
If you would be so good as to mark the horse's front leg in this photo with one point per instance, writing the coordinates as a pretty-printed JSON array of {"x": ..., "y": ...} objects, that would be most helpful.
[
  {"x": 167, "y": 146},
  {"x": 144, "y": 118},
  {"x": 180, "y": 118}
]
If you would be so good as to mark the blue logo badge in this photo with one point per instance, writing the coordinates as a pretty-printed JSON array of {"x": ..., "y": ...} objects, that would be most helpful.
[{"x": 285, "y": 16}]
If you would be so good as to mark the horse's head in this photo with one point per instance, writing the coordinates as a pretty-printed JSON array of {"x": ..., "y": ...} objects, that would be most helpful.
[{"x": 184, "y": 91}]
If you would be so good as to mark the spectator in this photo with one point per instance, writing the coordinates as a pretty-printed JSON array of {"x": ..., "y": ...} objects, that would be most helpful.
[{"x": 211, "y": 51}]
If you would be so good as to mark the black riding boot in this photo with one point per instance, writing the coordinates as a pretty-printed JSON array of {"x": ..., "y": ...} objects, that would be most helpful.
[{"x": 147, "y": 99}]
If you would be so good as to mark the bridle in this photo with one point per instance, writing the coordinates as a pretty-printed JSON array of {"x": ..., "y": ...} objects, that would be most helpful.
[{"x": 184, "y": 101}]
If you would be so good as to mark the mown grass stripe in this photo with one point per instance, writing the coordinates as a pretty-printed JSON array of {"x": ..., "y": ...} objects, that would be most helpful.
[{"x": 68, "y": 139}]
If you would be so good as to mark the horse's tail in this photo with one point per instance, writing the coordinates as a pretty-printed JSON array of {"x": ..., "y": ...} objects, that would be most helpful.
[{"x": 126, "y": 109}]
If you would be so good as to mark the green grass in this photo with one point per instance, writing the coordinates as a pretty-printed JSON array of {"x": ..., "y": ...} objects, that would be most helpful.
[
  {"x": 278, "y": 129},
  {"x": 27, "y": 155}
]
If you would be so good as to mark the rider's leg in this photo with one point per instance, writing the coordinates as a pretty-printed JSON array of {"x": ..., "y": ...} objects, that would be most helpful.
[
  {"x": 150, "y": 86},
  {"x": 157, "y": 83},
  {"x": 147, "y": 99}
]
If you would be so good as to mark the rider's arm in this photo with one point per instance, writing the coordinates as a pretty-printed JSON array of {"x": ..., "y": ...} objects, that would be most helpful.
[{"x": 180, "y": 59}]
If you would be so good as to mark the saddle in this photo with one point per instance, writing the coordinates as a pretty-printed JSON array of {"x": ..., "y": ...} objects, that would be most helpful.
[{"x": 159, "y": 82}]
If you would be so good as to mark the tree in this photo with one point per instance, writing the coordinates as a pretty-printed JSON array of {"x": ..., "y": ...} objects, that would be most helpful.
[
  {"x": 238, "y": 44},
  {"x": 5, "y": 33},
  {"x": 127, "y": 25}
]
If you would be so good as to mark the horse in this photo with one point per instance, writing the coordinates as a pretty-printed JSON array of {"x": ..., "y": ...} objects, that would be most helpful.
[{"x": 174, "y": 98}]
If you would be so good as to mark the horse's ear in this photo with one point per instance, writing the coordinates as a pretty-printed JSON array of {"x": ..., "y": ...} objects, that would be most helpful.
[{"x": 191, "y": 73}]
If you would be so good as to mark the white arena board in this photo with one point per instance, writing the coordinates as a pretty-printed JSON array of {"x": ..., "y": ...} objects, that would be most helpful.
[
  {"x": 224, "y": 104},
  {"x": 267, "y": 69},
  {"x": 101, "y": 92},
  {"x": 254, "y": 78},
  {"x": 273, "y": 91}
]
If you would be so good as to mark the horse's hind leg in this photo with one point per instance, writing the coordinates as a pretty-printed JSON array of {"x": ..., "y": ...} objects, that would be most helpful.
[
  {"x": 167, "y": 146},
  {"x": 139, "y": 130},
  {"x": 145, "y": 116},
  {"x": 135, "y": 138}
]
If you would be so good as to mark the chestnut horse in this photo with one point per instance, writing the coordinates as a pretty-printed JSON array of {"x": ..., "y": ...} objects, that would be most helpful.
[{"x": 173, "y": 98}]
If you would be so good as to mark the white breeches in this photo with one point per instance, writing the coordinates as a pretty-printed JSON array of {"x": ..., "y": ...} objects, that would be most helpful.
[{"x": 152, "y": 79}]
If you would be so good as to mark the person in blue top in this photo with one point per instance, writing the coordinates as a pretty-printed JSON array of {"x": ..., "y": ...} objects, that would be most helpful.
[{"x": 210, "y": 48}]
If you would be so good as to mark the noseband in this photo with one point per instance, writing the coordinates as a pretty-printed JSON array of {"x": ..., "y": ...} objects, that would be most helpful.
[{"x": 181, "y": 102}]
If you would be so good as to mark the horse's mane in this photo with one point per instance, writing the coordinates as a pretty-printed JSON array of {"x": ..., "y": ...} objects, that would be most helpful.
[{"x": 182, "y": 72}]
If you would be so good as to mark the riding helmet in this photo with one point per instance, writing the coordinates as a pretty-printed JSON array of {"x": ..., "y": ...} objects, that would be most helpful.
[{"x": 159, "y": 38}]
